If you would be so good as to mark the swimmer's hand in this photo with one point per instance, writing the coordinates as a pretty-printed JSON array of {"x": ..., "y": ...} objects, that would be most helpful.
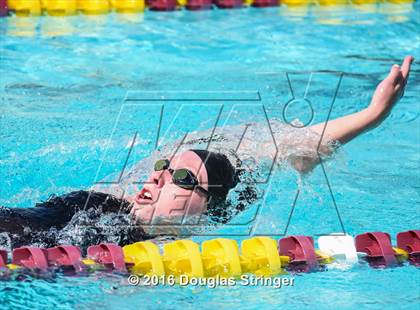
[
  {"x": 348, "y": 127},
  {"x": 389, "y": 91}
]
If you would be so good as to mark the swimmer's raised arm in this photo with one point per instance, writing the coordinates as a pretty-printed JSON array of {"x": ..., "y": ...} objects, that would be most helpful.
[
  {"x": 348, "y": 127},
  {"x": 386, "y": 95}
]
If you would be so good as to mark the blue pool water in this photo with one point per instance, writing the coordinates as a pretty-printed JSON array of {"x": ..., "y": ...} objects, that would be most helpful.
[{"x": 63, "y": 82}]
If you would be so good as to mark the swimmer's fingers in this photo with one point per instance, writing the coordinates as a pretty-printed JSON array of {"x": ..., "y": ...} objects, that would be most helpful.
[
  {"x": 402, "y": 77},
  {"x": 395, "y": 75},
  {"x": 405, "y": 68}
]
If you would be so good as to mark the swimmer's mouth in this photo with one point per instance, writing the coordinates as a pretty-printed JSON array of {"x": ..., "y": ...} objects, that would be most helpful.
[{"x": 145, "y": 196}]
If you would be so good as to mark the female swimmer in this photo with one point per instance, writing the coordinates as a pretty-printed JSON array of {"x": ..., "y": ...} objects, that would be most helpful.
[{"x": 202, "y": 178}]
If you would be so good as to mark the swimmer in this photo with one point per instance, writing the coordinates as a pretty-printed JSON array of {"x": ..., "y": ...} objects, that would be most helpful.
[
  {"x": 156, "y": 197},
  {"x": 204, "y": 178}
]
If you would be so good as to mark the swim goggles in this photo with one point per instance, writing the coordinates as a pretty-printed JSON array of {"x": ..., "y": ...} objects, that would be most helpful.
[{"x": 183, "y": 178}]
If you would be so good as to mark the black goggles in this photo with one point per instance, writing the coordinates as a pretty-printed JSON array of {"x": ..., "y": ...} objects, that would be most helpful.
[{"x": 183, "y": 178}]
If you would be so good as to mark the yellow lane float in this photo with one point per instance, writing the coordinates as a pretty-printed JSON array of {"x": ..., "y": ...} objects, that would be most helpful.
[
  {"x": 362, "y": 2},
  {"x": 332, "y": 2},
  {"x": 221, "y": 257},
  {"x": 128, "y": 6},
  {"x": 297, "y": 2},
  {"x": 93, "y": 7},
  {"x": 260, "y": 257},
  {"x": 25, "y": 7},
  {"x": 182, "y": 3},
  {"x": 144, "y": 258},
  {"x": 183, "y": 257},
  {"x": 60, "y": 7}
]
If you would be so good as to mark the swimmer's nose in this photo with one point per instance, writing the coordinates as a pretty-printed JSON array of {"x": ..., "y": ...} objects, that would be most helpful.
[{"x": 158, "y": 178}]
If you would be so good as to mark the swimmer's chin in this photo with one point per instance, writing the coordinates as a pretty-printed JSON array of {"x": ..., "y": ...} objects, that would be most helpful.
[{"x": 144, "y": 202}]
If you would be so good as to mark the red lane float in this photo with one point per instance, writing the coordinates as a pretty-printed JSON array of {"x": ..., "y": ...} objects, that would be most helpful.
[
  {"x": 108, "y": 254},
  {"x": 65, "y": 256},
  {"x": 378, "y": 247},
  {"x": 162, "y": 5},
  {"x": 265, "y": 3},
  {"x": 410, "y": 242},
  {"x": 3, "y": 258},
  {"x": 195, "y": 5},
  {"x": 228, "y": 4},
  {"x": 3, "y": 8},
  {"x": 301, "y": 251},
  {"x": 30, "y": 257}
]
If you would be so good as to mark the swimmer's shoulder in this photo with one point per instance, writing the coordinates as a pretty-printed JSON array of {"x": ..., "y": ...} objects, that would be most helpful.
[{"x": 87, "y": 199}]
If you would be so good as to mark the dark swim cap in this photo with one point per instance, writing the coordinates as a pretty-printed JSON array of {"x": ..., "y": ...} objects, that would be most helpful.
[
  {"x": 222, "y": 177},
  {"x": 221, "y": 174}
]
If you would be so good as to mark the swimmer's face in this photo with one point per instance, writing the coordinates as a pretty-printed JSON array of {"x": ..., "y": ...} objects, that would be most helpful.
[{"x": 160, "y": 197}]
